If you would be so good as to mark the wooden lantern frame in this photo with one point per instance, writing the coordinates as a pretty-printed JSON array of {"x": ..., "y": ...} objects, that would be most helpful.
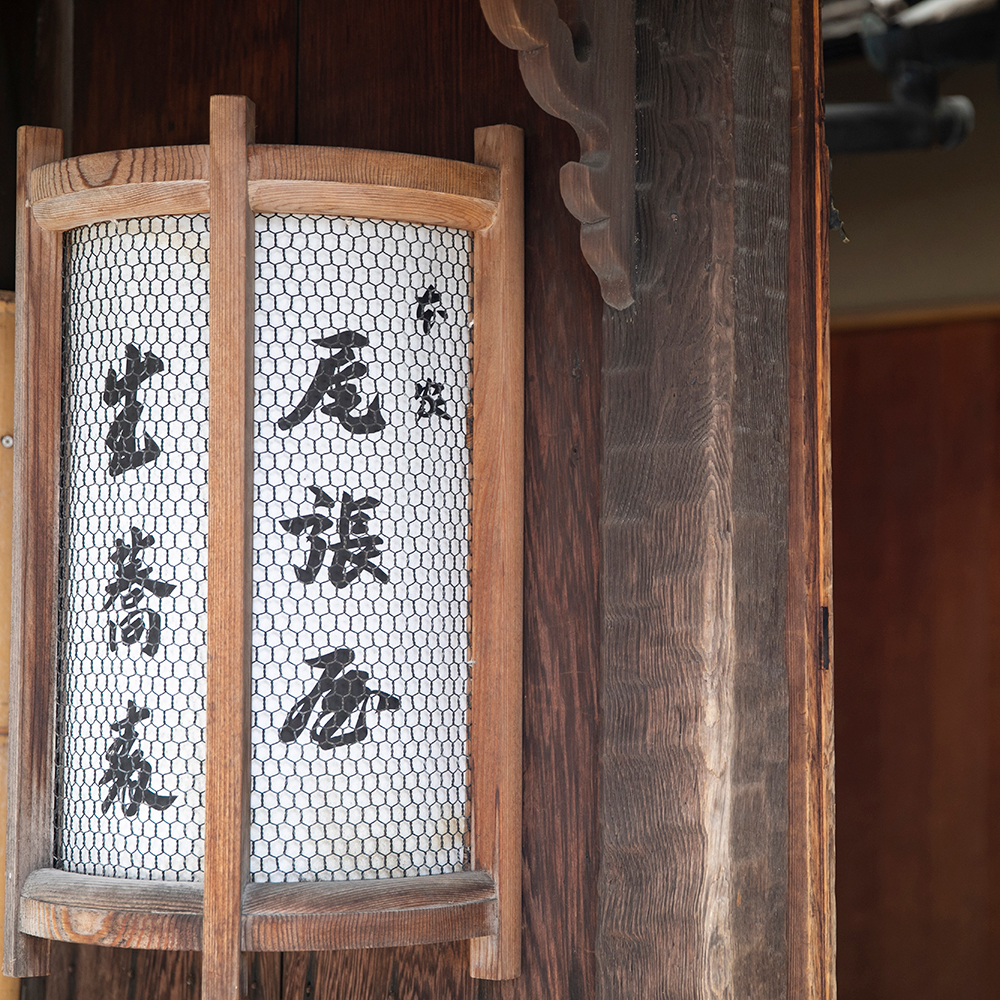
[{"x": 227, "y": 916}]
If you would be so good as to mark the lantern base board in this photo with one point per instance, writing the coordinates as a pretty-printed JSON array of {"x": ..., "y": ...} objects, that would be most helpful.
[
  {"x": 383, "y": 913},
  {"x": 294, "y": 916}
]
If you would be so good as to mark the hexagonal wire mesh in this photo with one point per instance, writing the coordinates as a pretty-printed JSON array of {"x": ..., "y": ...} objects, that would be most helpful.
[
  {"x": 131, "y": 677},
  {"x": 361, "y": 546}
]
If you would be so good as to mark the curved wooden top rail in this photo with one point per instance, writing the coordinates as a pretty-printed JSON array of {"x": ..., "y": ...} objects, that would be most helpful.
[
  {"x": 124, "y": 184},
  {"x": 286, "y": 916},
  {"x": 173, "y": 180}
]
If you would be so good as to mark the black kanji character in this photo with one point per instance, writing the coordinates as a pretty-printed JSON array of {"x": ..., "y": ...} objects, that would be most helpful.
[
  {"x": 131, "y": 578},
  {"x": 427, "y": 308},
  {"x": 339, "y": 694},
  {"x": 121, "y": 441},
  {"x": 355, "y": 549},
  {"x": 335, "y": 378},
  {"x": 431, "y": 400},
  {"x": 128, "y": 771}
]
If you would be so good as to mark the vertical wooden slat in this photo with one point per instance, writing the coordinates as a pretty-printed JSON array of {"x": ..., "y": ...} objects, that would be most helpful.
[
  {"x": 38, "y": 338},
  {"x": 230, "y": 480},
  {"x": 9, "y": 988},
  {"x": 497, "y": 550},
  {"x": 811, "y": 916}
]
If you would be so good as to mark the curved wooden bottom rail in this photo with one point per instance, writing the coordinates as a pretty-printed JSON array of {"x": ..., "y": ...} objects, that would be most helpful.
[
  {"x": 120, "y": 913},
  {"x": 285, "y": 916},
  {"x": 307, "y": 916}
]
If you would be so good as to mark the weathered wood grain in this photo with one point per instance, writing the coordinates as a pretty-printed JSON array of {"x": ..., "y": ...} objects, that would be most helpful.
[
  {"x": 376, "y": 914},
  {"x": 669, "y": 651},
  {"x": 168, "y": 974},
  {"x": 759, "y": 832},
  {"x": 811, "y": 915},
  {"x": 82, "y": 971},
  {"x": 418, "y": 973},
  {"x": 497, "y": 550},
  {"x": 264, "y": 976},
  {"x": 363, "y": 202},
  {"x": 694, "y": 512},
  {"x": 125, "y": 184},
  {"x": 230, "y": 585},
  {"x": 38, "y": 362},
  {"x": 120, "y": 913}
]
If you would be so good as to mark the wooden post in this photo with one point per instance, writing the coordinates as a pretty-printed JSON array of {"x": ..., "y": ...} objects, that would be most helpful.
[
  {"x": 9, "y": 988},
  {"x": 230, "y": 501},
  {"x": 811, "y": 911},
  {"x": 497, "y": 550},
  {"x": 38, "y": 338},
  {"x": 694, "y": 507}
]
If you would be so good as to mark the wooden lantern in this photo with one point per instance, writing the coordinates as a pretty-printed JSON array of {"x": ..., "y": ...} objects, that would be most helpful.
[{"x": 219, "y": 903}]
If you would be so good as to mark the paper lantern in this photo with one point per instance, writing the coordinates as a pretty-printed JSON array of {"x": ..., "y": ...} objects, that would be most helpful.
[{"x": 268, "y": 564}]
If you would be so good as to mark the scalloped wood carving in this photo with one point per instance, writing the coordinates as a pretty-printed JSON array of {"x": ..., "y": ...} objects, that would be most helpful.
[{"x": 584, "y": 73}]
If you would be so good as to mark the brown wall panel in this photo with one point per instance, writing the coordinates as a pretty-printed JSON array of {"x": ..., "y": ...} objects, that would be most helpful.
[
  {"x": 414, "y": 78},
  {"x": 916, "y": 434},
  {"x": 144, "y": 72}
]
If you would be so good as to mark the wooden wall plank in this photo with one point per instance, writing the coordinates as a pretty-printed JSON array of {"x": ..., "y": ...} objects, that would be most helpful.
[
  {"x": 264, "y": 976},
  {"x": 917, "y": 494},
  {"x": 668, "y": 656},
  {"x": 144, "y": 72},
  {"x": 666, "y": 511},
  {"x": 35, "y": 89},
  {"x": 418, "y": 973}
]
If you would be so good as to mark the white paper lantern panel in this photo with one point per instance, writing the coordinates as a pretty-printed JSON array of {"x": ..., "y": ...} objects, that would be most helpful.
[
  {"x": 131, "y": 642},
  {"x": 361, "y": 549}
]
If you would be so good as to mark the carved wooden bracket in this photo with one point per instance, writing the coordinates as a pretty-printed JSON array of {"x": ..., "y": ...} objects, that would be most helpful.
[{"x": 584, "y": 72}]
